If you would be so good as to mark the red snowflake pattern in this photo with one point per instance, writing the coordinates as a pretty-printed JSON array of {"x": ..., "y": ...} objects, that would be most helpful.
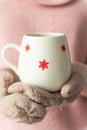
[
  {"x": 27, "y": 47},
  {"x": 63, "y": 48},
  {"x": 43, "y": 64}
]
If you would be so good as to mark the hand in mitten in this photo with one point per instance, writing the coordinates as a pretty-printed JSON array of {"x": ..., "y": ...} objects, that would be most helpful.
[
  {"x": 7, "y": 77},
  {"x": 27, "y": 103},
  {"x": 17, "y": 106},
  {"x": 68, "y": 93}
]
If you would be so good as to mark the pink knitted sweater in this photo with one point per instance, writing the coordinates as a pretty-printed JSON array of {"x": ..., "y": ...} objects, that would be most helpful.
[{"x": 18, "y": 17}]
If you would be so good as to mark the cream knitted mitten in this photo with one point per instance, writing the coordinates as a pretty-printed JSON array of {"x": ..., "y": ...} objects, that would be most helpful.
[{"x": 25, "y": 103}]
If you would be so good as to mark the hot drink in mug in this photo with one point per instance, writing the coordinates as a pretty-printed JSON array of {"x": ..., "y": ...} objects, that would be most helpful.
[{"x": 44, "y": 60}]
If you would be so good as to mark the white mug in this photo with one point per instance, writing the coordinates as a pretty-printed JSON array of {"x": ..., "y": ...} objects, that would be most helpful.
[{"x": 44, "y": 60}]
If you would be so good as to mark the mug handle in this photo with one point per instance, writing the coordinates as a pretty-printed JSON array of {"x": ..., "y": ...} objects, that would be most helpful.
[{"x": 4, "y": 55}]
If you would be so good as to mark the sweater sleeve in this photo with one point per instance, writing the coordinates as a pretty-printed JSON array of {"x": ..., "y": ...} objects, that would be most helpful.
[
  {"x": 84, "y": 92},
  {"x": 79, "y": 48}
]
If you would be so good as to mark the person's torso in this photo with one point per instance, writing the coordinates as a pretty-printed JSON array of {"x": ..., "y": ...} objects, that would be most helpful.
[{"x": 18, "y": 19}]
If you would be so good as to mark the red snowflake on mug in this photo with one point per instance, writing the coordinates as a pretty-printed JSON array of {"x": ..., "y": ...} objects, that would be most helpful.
[
  {"x": 43, "y": 64},
  {"x": 27, "y": 47},
  {"x": 63, "y": 48}
]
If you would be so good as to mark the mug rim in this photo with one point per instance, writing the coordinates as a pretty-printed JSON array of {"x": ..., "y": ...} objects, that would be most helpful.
[{"x": 45, "y": 34}]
